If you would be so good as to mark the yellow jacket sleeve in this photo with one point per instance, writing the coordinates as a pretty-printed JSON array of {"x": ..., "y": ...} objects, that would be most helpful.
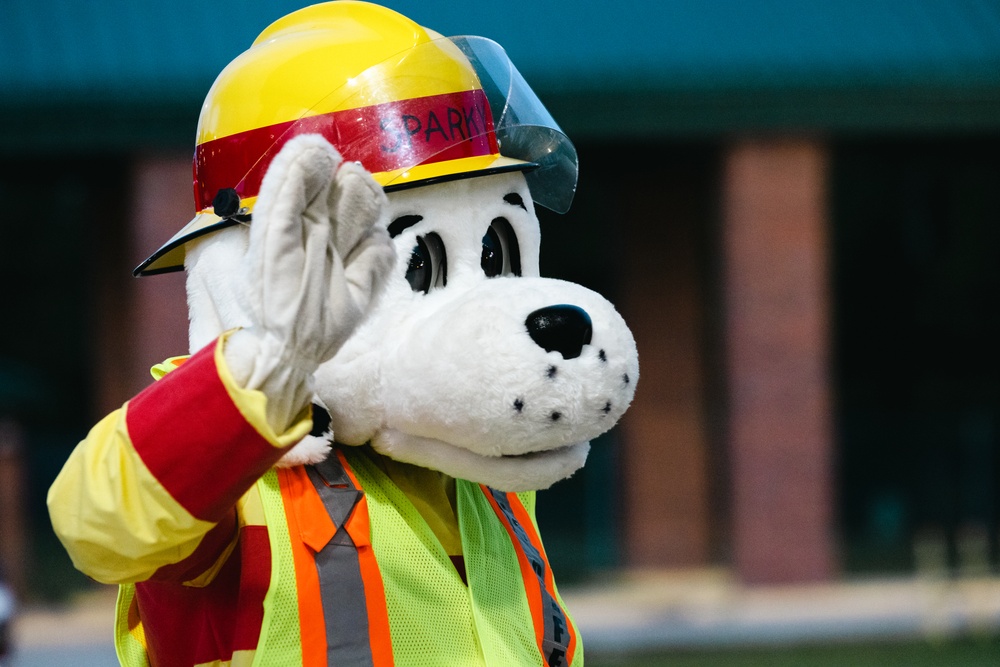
[{"x": 153, "y": 478}]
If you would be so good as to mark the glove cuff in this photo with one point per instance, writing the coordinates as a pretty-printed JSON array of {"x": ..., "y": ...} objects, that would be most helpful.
[{"x": 263, "y": 363}]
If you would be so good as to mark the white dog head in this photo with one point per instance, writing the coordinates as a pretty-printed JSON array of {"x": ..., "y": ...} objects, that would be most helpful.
[{"x": 471, "y": 363}]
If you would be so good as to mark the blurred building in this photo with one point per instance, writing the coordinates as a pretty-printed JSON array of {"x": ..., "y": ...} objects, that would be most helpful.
[{"x": 795, "y": 205}]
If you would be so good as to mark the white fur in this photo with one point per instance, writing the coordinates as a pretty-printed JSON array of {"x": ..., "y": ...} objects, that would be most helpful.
[
  {"x": 311, "y": 449},
  {"x": 433, "y": 379},
  {"x": 215, "y": 298},
  {"x": 528, "y": 472}
]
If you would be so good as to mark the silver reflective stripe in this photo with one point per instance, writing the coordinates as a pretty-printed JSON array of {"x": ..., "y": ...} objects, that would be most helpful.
[
  {"x": 555, "y": 642},
  {"x": 342, "y": 589}
]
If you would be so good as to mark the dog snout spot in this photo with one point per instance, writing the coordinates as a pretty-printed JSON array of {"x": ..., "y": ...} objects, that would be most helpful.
[{"x": 561, "y": 328}]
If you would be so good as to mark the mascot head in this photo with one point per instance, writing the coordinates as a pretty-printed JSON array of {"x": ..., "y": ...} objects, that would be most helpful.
[{"x": 470, "y": 363}]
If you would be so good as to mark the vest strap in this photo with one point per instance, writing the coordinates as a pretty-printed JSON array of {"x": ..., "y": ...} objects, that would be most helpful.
[
  {"x": 338, "y": 566},
  {"x": 555, "y": 640}
]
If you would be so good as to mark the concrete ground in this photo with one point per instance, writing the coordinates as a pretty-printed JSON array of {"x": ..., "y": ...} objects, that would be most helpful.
[
  {"x": 633, "y": 611},
  {"x": 78, "y": 634},
  {"x": 652, "y": 610}
]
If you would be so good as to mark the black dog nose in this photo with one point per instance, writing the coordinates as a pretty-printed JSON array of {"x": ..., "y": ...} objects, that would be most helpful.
[{"x": 563, "y": 328}]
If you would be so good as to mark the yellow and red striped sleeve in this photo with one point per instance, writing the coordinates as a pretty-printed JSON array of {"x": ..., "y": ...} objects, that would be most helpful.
[{"x": 153, "y": 478}]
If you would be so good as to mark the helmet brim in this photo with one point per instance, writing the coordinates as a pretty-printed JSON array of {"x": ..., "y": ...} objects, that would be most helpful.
[{"x": 169, "y": 257}]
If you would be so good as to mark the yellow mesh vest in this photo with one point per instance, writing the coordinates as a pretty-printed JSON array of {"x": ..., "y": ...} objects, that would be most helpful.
[
  {"x": 280, "y": 641},
  {"x": 434, "y": 618},
  {"x": 130, "y": 644}
]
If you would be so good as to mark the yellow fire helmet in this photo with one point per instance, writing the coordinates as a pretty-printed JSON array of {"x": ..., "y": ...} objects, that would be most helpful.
[{"x": 411, "y": 106}]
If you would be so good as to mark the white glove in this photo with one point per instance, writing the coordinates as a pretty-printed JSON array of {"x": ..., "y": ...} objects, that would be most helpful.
[{"x": 318, "y": 257}]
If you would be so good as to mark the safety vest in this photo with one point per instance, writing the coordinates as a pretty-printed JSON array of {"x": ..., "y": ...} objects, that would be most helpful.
[{"x": 344, "y": 537}]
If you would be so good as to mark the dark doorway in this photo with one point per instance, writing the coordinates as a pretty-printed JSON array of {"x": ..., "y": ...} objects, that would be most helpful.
[{"x": 917, "y": 280}]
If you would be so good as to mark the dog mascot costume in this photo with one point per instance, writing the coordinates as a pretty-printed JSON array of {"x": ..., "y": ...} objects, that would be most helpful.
[{"x": 343, "y": 471}]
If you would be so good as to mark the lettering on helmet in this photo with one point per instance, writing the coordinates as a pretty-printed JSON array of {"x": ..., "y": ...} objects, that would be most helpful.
[{"x": 432, "y": 129}]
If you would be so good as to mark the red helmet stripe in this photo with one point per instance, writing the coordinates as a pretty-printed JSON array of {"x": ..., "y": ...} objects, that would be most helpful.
[{"x": 382, "y": 137}]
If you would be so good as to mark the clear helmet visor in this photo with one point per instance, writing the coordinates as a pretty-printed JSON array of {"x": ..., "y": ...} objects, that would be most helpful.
[{"x": 525, "y": 129}]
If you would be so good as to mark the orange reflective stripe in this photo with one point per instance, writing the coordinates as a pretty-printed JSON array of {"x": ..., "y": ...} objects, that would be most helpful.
[
  {"x": 358, "y": 526},
  {"x": 311, "y": 528},
  {"x": 348, "y": 641},
  {"x": 554, "y": 633},
  {"x": 303, "y": 512}
]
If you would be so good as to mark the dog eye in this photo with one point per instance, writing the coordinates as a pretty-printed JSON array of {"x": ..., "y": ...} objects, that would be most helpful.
[
  {"x": 492, "y": 260},
  {"x": 427, "y": 267},
  {"x": 501, "y": 255}
]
